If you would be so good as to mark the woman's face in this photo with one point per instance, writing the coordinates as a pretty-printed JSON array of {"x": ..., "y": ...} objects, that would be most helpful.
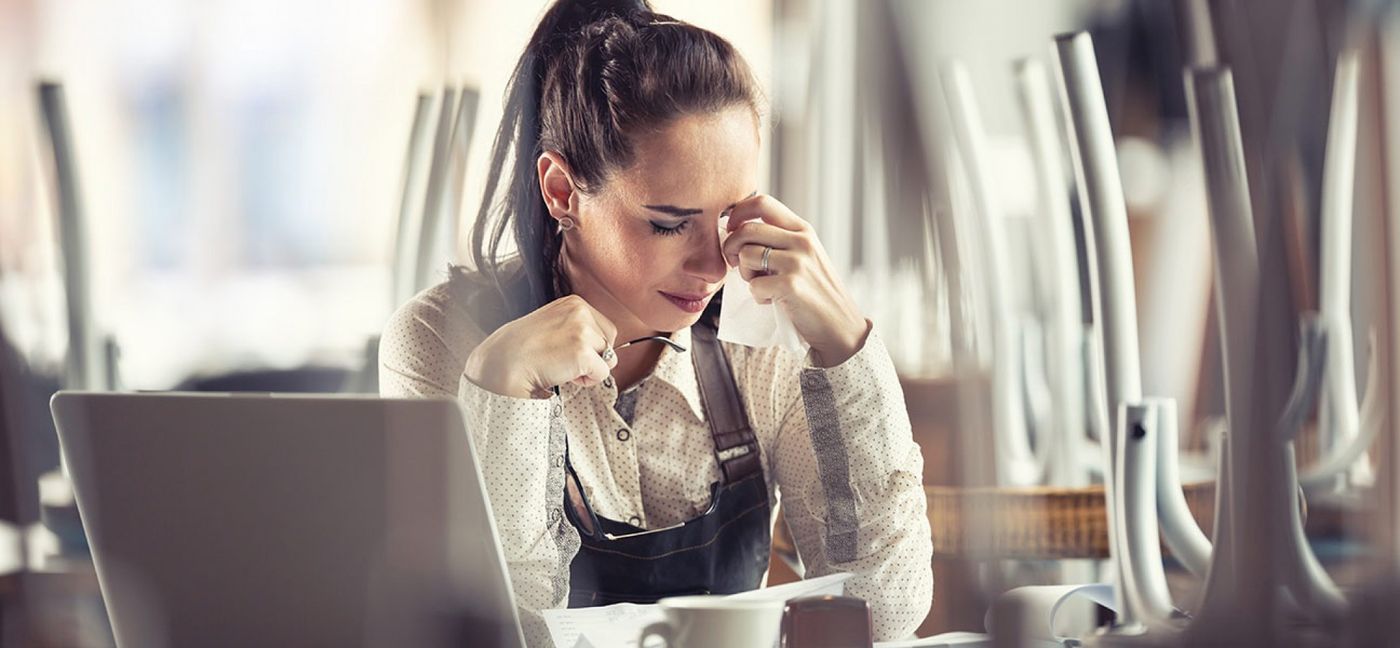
[{"x": 646, "y": 250}]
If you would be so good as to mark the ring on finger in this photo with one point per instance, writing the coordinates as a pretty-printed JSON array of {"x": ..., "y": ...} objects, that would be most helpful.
[
  {"x": 763, "y": 264},
  {"x": 608, "y": 355}
]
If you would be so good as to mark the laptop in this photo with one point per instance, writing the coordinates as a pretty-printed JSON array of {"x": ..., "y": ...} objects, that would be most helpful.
[{"x": 271, "y": 520}]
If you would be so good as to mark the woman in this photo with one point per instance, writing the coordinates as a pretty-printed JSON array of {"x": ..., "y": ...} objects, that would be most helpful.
[{"x": 655, "y": 469}]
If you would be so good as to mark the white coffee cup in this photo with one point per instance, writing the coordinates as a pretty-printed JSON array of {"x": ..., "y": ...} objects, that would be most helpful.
[{"x": 716, "y": 622}]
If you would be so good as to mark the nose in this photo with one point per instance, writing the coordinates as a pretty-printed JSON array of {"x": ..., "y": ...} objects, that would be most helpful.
[{"x": 707, "y": 261}]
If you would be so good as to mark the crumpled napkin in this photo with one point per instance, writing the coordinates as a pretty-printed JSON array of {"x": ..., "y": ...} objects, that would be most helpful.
[{"x": 742, "y": 320}]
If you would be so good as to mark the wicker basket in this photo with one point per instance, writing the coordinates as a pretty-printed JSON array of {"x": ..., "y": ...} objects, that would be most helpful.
[{"x": 1038, "y": 523}]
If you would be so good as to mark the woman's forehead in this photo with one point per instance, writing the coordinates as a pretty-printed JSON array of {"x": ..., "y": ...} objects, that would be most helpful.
[{"x": 701, "y": 157}]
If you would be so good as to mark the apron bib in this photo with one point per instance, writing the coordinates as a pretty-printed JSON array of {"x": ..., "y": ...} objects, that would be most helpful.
[{"x": 722, "y": 551}]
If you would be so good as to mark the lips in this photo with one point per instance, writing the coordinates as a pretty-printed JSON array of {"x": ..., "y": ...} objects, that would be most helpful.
[{"x": 688, "y": 302}]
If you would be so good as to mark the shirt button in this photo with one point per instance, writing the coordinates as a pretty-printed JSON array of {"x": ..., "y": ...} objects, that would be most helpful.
[
  {"x": 608, "y": 382},
  {"x": 558, "y": 409},
  {"x": 635, "y": 521},
  {"x": 623, "y": 434},
  {"x": 554, "y": 515},
  {"x": 559, "y": 461}
]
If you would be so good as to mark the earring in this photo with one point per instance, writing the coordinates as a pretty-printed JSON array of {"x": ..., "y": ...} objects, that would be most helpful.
[{"x": 565, "y": 223}]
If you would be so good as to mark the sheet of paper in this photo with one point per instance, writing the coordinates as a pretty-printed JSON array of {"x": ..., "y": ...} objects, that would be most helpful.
[
  {"x": 610, "y": 625},
  {"x": 830, "y": 585}
]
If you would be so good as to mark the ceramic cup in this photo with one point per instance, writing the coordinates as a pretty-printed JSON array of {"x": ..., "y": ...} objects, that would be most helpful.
[{"x": 716, "y": 622}]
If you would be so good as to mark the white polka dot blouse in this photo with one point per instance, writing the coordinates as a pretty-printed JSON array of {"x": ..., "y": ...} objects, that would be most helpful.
[{"x": 835, "y": 446}]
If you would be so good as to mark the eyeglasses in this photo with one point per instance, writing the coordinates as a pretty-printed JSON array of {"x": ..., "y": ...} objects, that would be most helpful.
[{"x": 657, "y": 338}]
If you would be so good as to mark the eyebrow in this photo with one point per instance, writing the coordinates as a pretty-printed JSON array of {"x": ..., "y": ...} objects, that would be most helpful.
[{"x": 686, "y": 211}]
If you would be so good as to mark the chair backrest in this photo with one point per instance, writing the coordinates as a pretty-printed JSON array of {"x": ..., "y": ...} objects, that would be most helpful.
[
  {"x": 87, "y": 363},
  {"x": 416, "y": 165},
  {"x": 437, "y": 238}
]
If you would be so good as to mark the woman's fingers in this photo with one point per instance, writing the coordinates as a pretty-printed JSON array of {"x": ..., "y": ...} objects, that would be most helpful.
[
  {"x": 761, "y": 234},
  {"x": 599, "y": 354},
  {"x": 769, "y": 210},
  {"x": 592, "y": 362},
  {"x": 607, "y": 332},
  {"x": 592, "y": 369},
  {"x": 593, "y": 338},
  {"x": 751, "y": 261}
]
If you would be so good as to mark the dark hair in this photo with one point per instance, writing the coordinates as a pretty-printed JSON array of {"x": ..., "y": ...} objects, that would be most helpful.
[{"x": 595, "y": 73}]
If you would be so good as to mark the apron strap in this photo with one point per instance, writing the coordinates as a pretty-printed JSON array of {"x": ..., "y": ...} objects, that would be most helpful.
[{"x": 736, "y": 448}]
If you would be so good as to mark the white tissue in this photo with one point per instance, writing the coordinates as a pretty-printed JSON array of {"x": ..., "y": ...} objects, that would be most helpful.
[{"x": 742, "y": 320}]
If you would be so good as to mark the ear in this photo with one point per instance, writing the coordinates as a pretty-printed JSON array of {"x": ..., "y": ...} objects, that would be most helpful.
[{"x": 557, "y": 185}]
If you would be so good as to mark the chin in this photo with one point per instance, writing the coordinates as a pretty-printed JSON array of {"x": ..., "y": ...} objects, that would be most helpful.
[{"x": 671, "y": 323}]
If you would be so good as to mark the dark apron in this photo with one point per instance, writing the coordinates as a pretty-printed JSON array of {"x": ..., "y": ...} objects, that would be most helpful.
[{"x": 723, "y": 551}]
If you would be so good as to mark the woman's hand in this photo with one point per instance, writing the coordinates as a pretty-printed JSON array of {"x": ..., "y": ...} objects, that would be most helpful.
[
  {"x": 799, "y": 277},
  {"x": 563, "y": 341}
]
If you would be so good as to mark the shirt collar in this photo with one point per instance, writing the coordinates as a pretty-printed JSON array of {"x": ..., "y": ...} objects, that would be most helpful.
[{"x": 677, "y": 370}]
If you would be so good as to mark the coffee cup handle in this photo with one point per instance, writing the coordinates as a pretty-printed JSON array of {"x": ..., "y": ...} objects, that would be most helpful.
[{"x": 659, "y": 629}]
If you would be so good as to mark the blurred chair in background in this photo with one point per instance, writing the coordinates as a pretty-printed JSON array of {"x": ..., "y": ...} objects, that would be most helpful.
[
  {"x": 425, "y": 235},
  {"x": 44, "y": 602},
  {"x": 91, "y": 360}
]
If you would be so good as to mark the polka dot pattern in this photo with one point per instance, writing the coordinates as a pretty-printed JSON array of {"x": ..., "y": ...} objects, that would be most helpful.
[{"x": 647, "y": 454}]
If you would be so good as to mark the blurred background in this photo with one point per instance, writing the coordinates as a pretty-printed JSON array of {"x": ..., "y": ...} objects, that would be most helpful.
[{"x": 236, "y": 195}]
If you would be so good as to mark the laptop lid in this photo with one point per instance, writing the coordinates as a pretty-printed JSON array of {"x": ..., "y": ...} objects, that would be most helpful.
[{"x": 238, "y": 520}]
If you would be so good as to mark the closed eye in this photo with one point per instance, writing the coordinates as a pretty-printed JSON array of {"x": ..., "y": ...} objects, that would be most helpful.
[
  {"x": 664, "y": 230},
  {"x": 682, "y": 212}
]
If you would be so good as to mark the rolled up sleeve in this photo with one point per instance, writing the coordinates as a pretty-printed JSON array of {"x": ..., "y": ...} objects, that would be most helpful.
[{"x": 850, "y": 478}]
